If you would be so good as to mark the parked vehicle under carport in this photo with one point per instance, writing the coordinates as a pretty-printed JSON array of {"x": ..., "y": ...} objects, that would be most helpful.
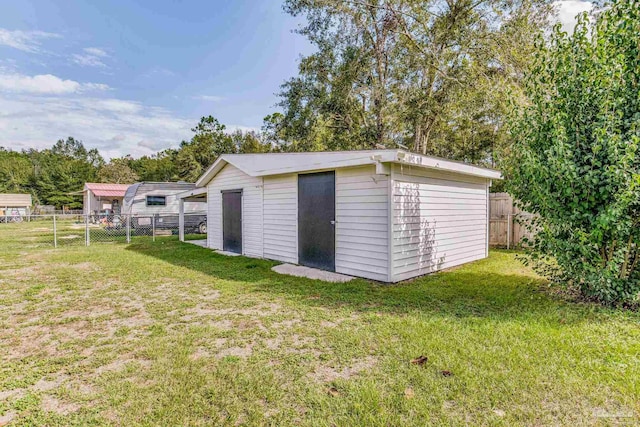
[{"x": 193, "y": 223}]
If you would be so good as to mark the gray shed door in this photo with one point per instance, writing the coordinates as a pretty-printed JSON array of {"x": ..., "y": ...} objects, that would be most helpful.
[
  {"x": 232, "y": 221},
  {"x": 316, "y": 219}
]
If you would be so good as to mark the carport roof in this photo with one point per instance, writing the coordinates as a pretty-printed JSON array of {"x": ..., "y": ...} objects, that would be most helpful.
[
  {"x": 106, "y": 190},
  {"x": 265, "y": 164},
  {"x": 196, "y": 194}
]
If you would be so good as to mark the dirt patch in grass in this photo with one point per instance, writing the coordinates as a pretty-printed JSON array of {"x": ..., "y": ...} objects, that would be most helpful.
[
  {"x": 289, "y": 323},
  {"x": 134, "y": 322},
  {"x": 199, "y": 354},
  {"x": 12, "y": 394},
  {"x": 202, "y": 311},
  {"x": 326, "y": 374},
  {"x": 84, "y": 266},
  {"x": 21, "y": 273},
  {"x": 33, "y": 340},
  {"x": 249, "y": 325},
  {"x": 241, "y": 352},
  {"x": 199, "y": 311},
  {"x": 337, "y": 322},
  {"x": 258, "y": 310},
  {"x": 273, "y": 343},
  {"x": 78, "y": 330},
  {"x": 83, "y": 388},
  {"x": 89, "y": 313},
  {"x": 7, "y": 418},
  {"x": 121, "y": 362},
  {"x": 70, "y": 237},
  {"x": 210, "y": 295},
  {"x": 52, "y": 404},
  {"x": 223, "y": 325},
  {"x": 48, "y": 385}
]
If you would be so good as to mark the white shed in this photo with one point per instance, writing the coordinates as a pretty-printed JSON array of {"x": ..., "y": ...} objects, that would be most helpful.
[
  {"x": 386, "y": 215},
  {"x": 14, "y": 206}
]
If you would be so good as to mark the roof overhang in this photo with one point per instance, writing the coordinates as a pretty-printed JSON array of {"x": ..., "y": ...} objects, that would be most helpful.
[
  {"x": 211, "y": 172},
  {"x": 350, "y": 158},
  {"x": 196, "y": 195},
  {"x": 428, "y": 162},
  {"x": 108, "y": 193}
]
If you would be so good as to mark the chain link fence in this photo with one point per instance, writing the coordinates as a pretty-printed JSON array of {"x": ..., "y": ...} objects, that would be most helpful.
[{"x": 60, "y": 230}]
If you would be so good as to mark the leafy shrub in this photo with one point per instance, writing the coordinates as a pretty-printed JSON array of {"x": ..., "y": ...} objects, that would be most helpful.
[{"x": 574, "y": 160}]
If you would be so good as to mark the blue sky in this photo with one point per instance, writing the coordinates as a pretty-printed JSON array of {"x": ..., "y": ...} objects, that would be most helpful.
[{"x": 132, "y": 77}]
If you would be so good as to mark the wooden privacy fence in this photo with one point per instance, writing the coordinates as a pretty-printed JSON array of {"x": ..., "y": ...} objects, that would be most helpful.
[{"x": 506, "y": 222}]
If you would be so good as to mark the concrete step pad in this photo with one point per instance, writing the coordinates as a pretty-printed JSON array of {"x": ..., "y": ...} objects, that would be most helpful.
[{"x": 311, "y": 273}]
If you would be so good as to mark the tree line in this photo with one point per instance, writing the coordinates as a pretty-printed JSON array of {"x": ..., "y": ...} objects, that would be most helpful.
[{"x": 53, "y": 174}]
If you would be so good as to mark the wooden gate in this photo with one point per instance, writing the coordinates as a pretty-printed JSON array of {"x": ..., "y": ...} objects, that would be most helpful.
[{"x": 506, "y": 222}]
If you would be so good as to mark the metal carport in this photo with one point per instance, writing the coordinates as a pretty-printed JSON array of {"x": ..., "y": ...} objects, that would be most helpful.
[{"x": 195, "y": 195}]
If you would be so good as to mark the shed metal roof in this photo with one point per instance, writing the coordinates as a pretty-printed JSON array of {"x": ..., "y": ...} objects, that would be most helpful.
[
  {"x": 15, "y": 200},
  {"x": 106, "y": 189},
  {"x": 265, "y": 164}
]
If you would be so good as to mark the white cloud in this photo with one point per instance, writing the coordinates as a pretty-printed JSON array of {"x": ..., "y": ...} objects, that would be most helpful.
[
  {"x": 153, "y": 145},
  {"x": 44, "y": 84},
  {"x": 568, "y": 10},
  {"x": 95, "y": 51},
  {"x": 118, "y": 106},
  {"x": 28, "y": 41},
  {"x": 91, "y": 57},
  {"x": 115, "y": 126},
  {"x": 231, "y": 128},
  {"x": 209, "y": 98},
  {"x": 159, "y": 71}
]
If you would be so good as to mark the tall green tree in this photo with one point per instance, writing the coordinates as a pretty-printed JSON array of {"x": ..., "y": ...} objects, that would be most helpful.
[
  {"x": 15, "y": 172},
  {"x": 433, "y": 75},
  {"x": 159, "y": 167},
  {"x": 249, "y": 142},
  {"x": 575, "y": 160},
  {"x": 117, "y": 171},
  {"x": 209, "y": 142},
  {"x": 62, "y": 170}
]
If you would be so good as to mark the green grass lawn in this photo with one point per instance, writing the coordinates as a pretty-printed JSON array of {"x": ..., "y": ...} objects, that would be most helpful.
[{"x": 168, "y": 333}]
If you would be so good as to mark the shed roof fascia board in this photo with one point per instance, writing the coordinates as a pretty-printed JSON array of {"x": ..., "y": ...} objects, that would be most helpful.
[
  {"x": 211, "y": 172},
  {"x": 447, "y": 165},
  {"x": 195, "y": 192},
  {"x": 354, "y": 159}
]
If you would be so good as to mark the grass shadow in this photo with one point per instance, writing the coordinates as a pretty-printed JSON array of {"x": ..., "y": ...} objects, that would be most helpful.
[{"x": 495, "y": 288}]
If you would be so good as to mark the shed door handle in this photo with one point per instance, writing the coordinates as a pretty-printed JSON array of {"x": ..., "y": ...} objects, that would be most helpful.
[{"x": 333, "y": 222}]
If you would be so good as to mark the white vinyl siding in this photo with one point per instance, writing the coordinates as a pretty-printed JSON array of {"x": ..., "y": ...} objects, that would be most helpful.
[
  {"x": 281, "y": 218},
  {"x": 362, "y": 223},
  {"x": 388, "y": 227},
  {"x": 231, "y": 178},
  {"x": 439, "y": 220}
]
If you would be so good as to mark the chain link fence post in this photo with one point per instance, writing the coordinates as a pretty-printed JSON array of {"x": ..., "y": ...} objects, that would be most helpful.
[
  {"x": 128, "y": 228},
  {"x": 86, "y": 230},
  {"x": 153, "y": 228},
  {"x": 55, "y": 232}
]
